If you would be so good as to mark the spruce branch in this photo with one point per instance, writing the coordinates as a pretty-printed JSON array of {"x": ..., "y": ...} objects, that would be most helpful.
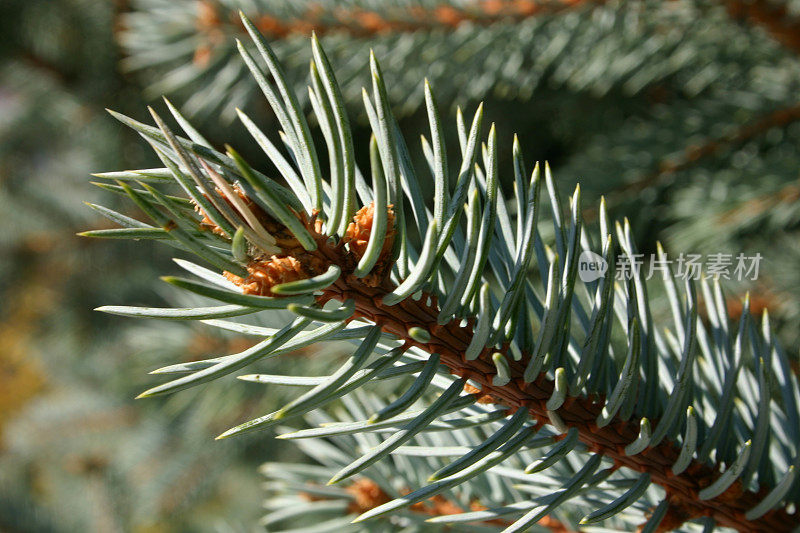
[
  {"x": 365, "y": 494},
  {"x": 584, "y": 369},
  {"x": 366, "y": 21},
  {"x": 451, "y": 342},
  {"x": 694, "y": 154},
  {"x": 584, "y": 47}
]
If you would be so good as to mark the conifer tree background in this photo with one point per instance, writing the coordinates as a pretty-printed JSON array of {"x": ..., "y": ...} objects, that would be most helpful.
[{"x": 683, "y": 114}]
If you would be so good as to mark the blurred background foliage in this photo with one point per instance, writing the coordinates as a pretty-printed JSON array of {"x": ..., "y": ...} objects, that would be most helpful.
[{"x": 684, "y": 114}]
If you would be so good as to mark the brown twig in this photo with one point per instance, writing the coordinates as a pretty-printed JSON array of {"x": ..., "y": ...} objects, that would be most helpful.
[
  {"x": 755, "y": 207},
  {"x": 363, "y": 22},
  {"x": 772, "y": 16}
]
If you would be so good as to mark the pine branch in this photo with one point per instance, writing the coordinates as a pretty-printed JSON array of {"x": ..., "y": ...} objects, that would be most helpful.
[
  {"x": 581, "y": 412},
  {"x": 367, "y": 494},
  {"x": 590, "y": 48},
  {"x": 463, "y": 303},
  {"x": 696, "y": 153},
  {"x": 363, "y": 22},
  {"x": 756, "y": 207},
  {"x": 211, "y": 28},
  {"x": 479, "y": 507}
]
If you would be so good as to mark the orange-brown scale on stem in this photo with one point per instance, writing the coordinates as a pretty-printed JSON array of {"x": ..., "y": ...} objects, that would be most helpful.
[
  {"x": 359, "y": 231},
  {"x": 292, "y": 264},
  {"x": 206, "y": 224},
  {"x": 357, "y": 238},
  {"x": 484, "y": 399},
  {"x": 366, "y": 495},
  {"x": 266, "y": 273}
]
